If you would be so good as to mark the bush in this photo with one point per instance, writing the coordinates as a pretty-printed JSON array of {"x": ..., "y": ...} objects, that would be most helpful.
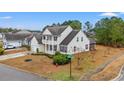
[
  {"x": 1, "y": 51},
  {"x": 57, "y": 53},
  {"x": 60, "y": 59},
  {"x": 41, "y": 53}
]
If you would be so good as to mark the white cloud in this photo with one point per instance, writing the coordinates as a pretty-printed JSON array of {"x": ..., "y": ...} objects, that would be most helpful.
[
  {"x": 109, "y": 14},
  {"x": 6, "y": 17}
]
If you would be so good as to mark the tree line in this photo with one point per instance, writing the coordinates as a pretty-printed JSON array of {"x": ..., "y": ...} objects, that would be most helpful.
[
  {"x": 110, "y": 31},
  {"x": 5, "y": 30}
]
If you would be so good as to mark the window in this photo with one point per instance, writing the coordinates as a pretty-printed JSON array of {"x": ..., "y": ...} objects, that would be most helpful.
[
  {"x": 86, "y": 46},
  {"x": 81, "y": 38},
  {"x": 50, "y": 47},
  {"x": 77, "y": 39},
  {"x": 55, "y": 47},
  {"x": 44, "y": 37},
  {"x": 47, "y": 37},
  {"x": 50, "y": 37},
  {"x": 74, "y": 48},
  {"x": 63, "y": 48},
  {"x": 55, "y": 38},
  {"x": 47, "y": 47}
]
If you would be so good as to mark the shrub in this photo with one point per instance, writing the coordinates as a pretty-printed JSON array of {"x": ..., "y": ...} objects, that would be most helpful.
[
  {"x": 41, "y": 53},
  {"x": 57, "y": 53},
  {"x": 1, "y": 51},
  {"x": 60, "y": 59}
]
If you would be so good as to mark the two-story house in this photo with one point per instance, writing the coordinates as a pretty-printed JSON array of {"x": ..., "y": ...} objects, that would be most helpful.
[{"x": 63, "y": 39}]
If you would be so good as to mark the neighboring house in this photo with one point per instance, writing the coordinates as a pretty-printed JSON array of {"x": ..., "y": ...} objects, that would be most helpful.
[
  {"x": 63, "y": 39},
  {"x": 11, "y": 40},
  {"x": 22, "y": 32}
]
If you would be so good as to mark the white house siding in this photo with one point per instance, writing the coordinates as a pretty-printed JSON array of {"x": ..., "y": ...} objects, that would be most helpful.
[
  {"x": 80, "y": 45},
  {"x": 35, "y": 45},
  {"x": 60, "y": 38}
]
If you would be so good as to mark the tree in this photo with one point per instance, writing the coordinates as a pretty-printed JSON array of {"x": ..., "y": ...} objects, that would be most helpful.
[
  {"x": 88, "y": 26},
  {"x": 110, "y": 31},
  {"x": 75, "y": 24}
]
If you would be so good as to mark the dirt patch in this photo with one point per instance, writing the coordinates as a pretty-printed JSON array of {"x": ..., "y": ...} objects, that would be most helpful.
[
  {"x": 82, "y": 63},
  {"x": 15, "y": 51},
  {"x": 111, "y": 71}
]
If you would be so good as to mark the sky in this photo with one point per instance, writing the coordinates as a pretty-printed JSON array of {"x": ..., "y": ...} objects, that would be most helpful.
[{"x": 37, "y": 20}]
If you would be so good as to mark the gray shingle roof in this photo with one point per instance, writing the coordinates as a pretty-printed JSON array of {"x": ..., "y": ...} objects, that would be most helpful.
[
  {"x": 68, "y": 39},
  {"x": 56, "y": 30},
  {"x": 10, "y": 36}
]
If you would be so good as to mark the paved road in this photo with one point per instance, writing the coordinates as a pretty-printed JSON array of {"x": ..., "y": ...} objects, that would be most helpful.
[{"x": 10, "y": 74}]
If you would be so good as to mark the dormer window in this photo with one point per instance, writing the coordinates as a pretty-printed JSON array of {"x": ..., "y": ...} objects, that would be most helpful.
[{"x": 55, "y": 38}]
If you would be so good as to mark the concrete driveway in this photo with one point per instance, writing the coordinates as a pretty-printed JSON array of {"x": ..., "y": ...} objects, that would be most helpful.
[{"x": 10, "y": 74}]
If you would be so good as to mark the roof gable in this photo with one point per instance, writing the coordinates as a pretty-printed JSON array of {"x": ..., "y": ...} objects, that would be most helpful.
[
  {"x": 46, "y": 32},
  {"x": 38, "y": 38}
]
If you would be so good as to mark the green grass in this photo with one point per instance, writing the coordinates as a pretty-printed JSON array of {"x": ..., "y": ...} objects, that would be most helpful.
[{"x": 63, "y": 76}]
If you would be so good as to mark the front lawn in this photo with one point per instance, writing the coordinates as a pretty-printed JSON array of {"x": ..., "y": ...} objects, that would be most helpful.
[{"x": 43, "y": 65}]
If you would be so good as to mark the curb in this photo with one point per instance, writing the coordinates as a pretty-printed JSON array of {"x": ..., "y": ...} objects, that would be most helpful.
[
  {"x": 117, "y": 77},
  {"x": 25, "y": 71}
]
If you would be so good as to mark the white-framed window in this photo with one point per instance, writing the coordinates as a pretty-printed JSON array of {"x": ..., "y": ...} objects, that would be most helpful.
[
  {"x": 47, "y": 46},
  {"x": 63, "y": 48},
  {"x": 55, "y": 47},
  {"x": 86, "y": 46},
  {"x": 44, "y": 37},
  {"x": 50, "y": 47},
  {"x": 74, "y": 48},
  {"x": 50, "y": 37},
  {"x": 81, "y": 38},
  {"x": 55, "y": 38}
]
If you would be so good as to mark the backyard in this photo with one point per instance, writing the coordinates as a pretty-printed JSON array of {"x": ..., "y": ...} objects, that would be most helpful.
[{"x": 88, "y": 61}]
